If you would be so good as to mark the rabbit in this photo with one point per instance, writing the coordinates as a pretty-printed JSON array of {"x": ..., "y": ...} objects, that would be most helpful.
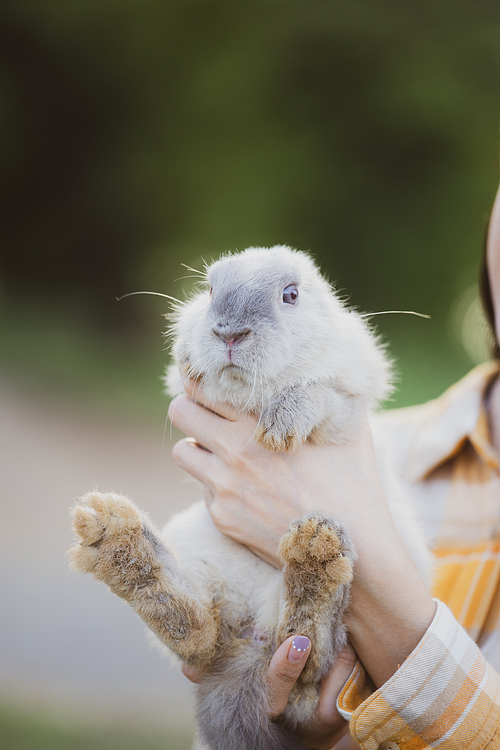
[{"x": 268, "y": 336}]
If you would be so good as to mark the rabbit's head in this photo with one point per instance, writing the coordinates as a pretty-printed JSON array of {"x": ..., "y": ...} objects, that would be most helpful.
[{"x": 267, "y": 319}]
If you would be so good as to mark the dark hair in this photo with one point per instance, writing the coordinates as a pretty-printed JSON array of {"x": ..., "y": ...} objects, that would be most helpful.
[{"x": 486, "y": 297}]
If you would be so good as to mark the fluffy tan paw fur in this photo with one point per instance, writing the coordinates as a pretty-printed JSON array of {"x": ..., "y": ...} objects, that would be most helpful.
[
  {"x": 315, "y": 544},
  {"x": 316, "y": 571},
  {"x": 119, "y": 548},
  {"x": 274, "y": 440}
]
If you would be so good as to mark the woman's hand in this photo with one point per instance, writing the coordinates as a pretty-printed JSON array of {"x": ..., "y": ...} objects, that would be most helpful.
[
  {"x": 328, "y": 726},
  {"x": 253, "y": 494}
]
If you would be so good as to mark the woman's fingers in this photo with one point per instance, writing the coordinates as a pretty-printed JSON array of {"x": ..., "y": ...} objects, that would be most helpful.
[
  {"x": 192, "y": 673},
  {"x": 209, "y": 429},
  {"x": 327, "y": 726},
  {"x": 200, "y": 463},
  {"x": 208, "y": 496},
  {"x": 195, "y": 392},
  {"x": 327, "y": 717},
  {"x": 286, "y": 665},
  {"x": 194, "y": 420}
]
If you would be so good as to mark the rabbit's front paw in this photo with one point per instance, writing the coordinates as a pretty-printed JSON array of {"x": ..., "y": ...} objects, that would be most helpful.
[
  {"x": 274, "y": 437},
  {"x": 282, "y": 424},
  {"x": 289, "y": 418}
]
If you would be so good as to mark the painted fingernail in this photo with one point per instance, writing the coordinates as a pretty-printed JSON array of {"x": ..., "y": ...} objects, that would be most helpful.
[{"x": 300, "y": 645}]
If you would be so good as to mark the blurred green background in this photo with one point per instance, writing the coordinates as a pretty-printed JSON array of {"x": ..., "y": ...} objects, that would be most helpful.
[{"x": 141, "y": 134}]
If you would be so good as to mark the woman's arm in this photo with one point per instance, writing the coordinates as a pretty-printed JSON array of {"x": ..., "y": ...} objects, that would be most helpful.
[
  {"x": 253, "y": 494},
  {"x": 434, "y": 685}
]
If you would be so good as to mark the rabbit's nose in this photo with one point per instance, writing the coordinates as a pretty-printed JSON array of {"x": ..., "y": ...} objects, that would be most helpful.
[{"x": 229, "y": 336}]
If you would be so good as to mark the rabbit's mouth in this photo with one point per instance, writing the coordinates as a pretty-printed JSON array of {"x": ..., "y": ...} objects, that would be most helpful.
[
  {"x": 232, "y": 367},
  {"x": 234, "y": 373}
]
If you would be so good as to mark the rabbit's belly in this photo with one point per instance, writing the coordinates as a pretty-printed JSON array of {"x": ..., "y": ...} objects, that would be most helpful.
[{"x": 248, "y": 588}]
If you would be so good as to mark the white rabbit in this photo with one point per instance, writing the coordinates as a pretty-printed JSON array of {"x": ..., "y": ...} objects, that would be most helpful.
[{"x": 271, "y": 337}]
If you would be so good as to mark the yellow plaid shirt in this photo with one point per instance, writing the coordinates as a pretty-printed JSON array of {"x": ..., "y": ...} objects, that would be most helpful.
[{"x": 447, "y": 693}]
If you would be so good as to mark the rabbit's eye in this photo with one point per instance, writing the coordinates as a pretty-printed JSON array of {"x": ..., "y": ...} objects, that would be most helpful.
[{"x": 290, "y": 295}]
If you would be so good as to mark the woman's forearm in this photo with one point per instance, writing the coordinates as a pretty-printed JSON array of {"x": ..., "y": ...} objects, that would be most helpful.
[
  {"x": 253, "y": 494},
  {"x": 391, "y": 608}
]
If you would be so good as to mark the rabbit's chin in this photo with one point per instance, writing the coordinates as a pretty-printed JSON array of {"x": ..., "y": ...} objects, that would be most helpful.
[{"x": 234, "y": 386}]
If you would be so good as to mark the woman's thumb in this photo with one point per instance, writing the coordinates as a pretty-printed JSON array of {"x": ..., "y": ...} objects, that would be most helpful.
[{"x": 286, "y": 665}]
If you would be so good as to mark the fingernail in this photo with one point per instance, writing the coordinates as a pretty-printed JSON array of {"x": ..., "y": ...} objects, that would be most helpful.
[{"x": 300, "y": 645}]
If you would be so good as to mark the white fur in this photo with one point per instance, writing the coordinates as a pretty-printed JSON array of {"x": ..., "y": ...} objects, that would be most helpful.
[
  {"x": 222, "y": 565},
  {"x": 321, "y": 349},
  {"x": 318, "y": 339},
  {"x": 309, "y": 371}
]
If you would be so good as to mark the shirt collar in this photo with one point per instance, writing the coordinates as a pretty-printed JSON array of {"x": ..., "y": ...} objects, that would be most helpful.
[{"x": 457, "y": 417}]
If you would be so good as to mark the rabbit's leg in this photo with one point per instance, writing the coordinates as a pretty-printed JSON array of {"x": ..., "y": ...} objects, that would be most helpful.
[
  {"x": 316, "y": 411},
  {"x": 318, "y": 560},
  {"x": 291, "y": 416},
  {"x": 120, "y": 548}
]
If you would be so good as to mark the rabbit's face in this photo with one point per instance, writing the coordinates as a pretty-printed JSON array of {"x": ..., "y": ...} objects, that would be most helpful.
[
  {"x": 263, "y": 318},
  {"x": 269, "y": 320}
]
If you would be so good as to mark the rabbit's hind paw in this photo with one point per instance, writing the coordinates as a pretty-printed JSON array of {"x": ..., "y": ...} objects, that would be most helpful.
[{"x": 112, "y": 544}]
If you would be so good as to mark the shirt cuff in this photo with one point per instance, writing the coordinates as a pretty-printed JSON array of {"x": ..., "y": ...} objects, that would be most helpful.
[{"x": 445, "y": 694}]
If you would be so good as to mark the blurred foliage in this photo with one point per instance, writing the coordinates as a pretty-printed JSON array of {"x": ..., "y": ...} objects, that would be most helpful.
[
  {"x": 64, "y": 360},
  {"x": 21, "y": 730},
  {"x": 142, "y": 133}
]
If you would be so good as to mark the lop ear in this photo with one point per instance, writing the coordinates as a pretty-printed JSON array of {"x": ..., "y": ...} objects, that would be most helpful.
[{"x": 493, "y": 258}]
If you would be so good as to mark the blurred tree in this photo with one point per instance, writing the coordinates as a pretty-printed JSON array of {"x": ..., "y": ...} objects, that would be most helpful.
[{"x": 141, "y": 133}]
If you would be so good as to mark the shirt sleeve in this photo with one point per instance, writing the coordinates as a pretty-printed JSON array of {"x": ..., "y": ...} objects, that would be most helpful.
[{"x": 445, "y": 695}]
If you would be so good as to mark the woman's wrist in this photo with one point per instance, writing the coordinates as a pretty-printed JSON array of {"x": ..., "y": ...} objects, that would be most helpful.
[{"x": 391, "y": 607}]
